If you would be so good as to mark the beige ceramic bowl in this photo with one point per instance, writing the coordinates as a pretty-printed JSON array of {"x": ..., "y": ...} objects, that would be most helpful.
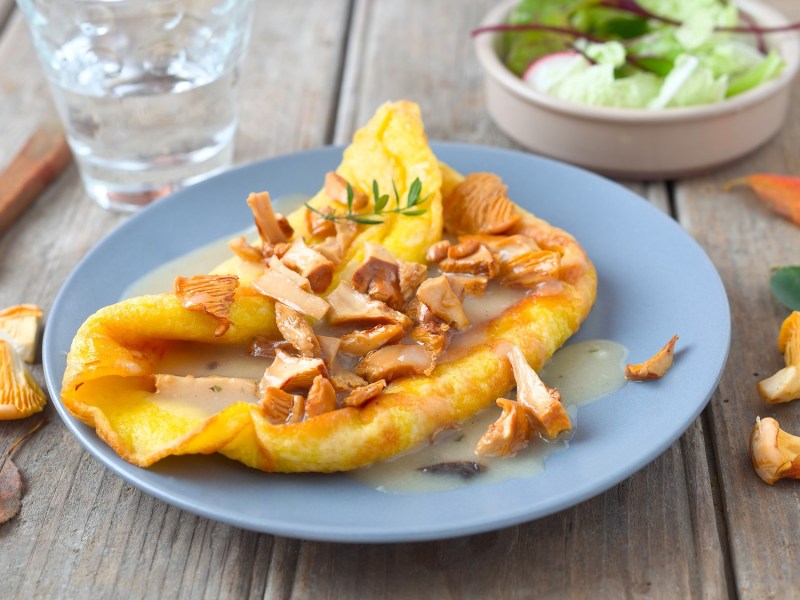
[{"x": 635, "y": 143}]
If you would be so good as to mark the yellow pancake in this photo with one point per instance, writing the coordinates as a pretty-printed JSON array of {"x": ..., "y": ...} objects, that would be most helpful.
[{"x": 107, "y": 383}]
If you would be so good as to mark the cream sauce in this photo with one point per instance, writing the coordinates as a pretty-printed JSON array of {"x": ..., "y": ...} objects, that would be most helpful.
[
  {"x": 582, "y": 372},
  {"x": 201, "y": 260},
  {"x": 216, "y": 376}
]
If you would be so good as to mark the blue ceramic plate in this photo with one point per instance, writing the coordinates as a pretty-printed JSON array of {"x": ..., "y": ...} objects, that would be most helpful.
[{"x": 654, "y": 282}]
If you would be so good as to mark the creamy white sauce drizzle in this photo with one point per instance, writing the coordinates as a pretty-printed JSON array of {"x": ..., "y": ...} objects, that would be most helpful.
[
  {"x": 199, "y": 261},
  {"x": 582, "y": 372}
]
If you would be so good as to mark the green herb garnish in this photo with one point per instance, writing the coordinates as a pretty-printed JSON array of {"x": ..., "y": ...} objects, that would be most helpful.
[
  {"x": 380, "y": 201},
  {"x": 215, "y": 388}
]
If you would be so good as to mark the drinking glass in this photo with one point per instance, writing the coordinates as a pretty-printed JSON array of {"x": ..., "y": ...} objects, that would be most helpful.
[{"x": 146, "y": 89}]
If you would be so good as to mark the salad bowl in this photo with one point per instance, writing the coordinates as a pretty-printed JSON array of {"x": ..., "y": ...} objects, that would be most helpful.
[{"x": 639, "y": 143}]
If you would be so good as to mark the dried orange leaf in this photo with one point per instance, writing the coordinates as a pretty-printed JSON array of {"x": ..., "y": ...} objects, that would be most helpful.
[
  {"x": 10, "y": 491},
  {"x": 780, "y": 192},
  {"x": 11, "y": 482},
  {"x": 211, "y": 294}
]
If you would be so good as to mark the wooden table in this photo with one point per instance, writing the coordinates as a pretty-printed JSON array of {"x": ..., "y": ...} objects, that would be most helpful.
[{"x": 696, "y": 522}]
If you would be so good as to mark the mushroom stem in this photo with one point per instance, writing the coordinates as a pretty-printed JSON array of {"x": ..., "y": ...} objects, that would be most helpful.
[
  {"x": 775, "y": 453},
  {"x": 784, "y": 385}
]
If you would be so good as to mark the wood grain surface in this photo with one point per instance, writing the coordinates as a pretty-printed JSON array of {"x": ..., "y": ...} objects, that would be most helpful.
[{"x": 696, "y": 522}]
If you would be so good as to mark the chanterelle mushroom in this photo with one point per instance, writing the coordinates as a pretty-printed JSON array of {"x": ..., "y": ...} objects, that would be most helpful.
[
  {"x": 479, "y": 204},
  {"x": 481, "y": 262},
  {"x": 784, "y": 385},
  {"x": 509, "y": 434},
  {"x": 284, "y": 285},
  {"x": 359, "y": 342},
  {"x": 295, "y": 329},
  {"x": 775, "y": 453},
  {"x": 289, "y": 372},
  {"x": 19, "y": 325},
  {"x": 437, "y": 294},
  {"x": 378, "y": 276},
  {"x": 282, "y": 407},
  {"x": 272, "y": 227},
  {"x": 544, "y": 402},
  {"x": 391, "y": 362},
  {"x": 336, "y": 189},
  {"x": 654, "y": 367},
  {"x": 310, "y": 264},
  {"x": 321, "y": 397},
  {"x": 20, "y": 396},
  {"x": 351, "y": 306},
  {"x": 211, "y": 294}
]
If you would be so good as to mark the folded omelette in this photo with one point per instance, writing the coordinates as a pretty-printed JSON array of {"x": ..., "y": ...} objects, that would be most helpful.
[{"x": 349, "y": 314}]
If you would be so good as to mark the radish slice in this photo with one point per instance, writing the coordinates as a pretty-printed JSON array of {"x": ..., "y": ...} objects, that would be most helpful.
[{"x": 550, "y": 70}]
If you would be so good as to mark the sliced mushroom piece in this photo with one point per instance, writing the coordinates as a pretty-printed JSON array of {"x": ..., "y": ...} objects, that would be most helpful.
[
  {"x": 283, "y": 288},
  {"x": 310, "y": 264},
  {"x": 520, "y": 260},
  {"x": 774, "y": 452},
  {"x": 437, "y": 251},
  {"x": 351, "y": 306},
  {"x": 318, "y": 226},
  {"x": 329, "y": 347},
  {"x": 289, "y": 372},
  {"x": 274, "y": 264},
  {"x": 509, "y": 434},
  {"x": 346, "y": 232},
  {"x": 378, "y": 276},
  {"x": 19, "y": 325},
  {"x": 392, "y": 362},
  {"x": 295, "y": 329},
  {"x": 360, "y": 342},
  {"x": 784, "y": 385},
  {"x": 412, "y": 274},
  {"x": 211, "y": 294},
  {"x": 336, "y": 189},
  {"x": 654, "y": 367},
  {"x": 363, "y": 394},
  {"x": 469, "y": 285},
  {"x": 321, "y": 397},
  {"x": 282, "y": 407},
  {"x": 430, "y": 331},
  {"x": 463, "y": 249},
  {"x": 271, "y": 227},
  {"x": 547, "y": 411},
  {"x": 330, "y": 249},
  {"x": 481, "y": 262},
  {"x": 433, "y": 337},
  {"x": 479, "y": 204},
  {"x": 245, "y": 251},
  {"x": 437, "y": 294},
  {"x": 345, "y": 381},
  {"x": 262, "y": 347}
]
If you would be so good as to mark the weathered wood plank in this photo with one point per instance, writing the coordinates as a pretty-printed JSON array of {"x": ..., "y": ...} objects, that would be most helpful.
[
  {"x": 745, "y": 240},
  {"x": 82, "y": 530},
  {"x": 655, "y": 534}
]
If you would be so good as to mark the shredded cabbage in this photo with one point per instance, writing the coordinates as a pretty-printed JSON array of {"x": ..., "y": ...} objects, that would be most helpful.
[{"x": 645, "y": 63}]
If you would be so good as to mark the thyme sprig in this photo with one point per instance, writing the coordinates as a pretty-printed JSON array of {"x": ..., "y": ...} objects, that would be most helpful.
[{"x": 379, "y": 211}]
